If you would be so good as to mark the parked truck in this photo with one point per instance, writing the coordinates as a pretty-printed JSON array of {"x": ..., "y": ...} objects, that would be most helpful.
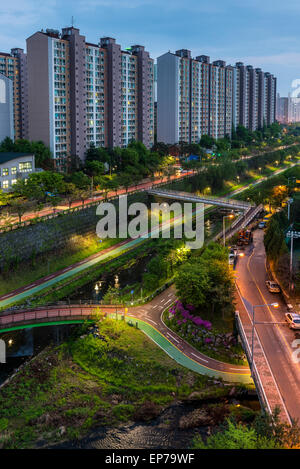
[{"x": 245, "y": 237}]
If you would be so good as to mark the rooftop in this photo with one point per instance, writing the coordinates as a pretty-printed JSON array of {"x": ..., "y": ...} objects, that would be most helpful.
[{"x": 8, "y": 156}]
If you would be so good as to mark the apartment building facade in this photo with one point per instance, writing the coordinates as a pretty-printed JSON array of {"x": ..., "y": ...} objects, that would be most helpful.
[
  {"x": 81, "y": 93},
  {"x": 14, "y": 66},
  {"x": 6, "y": 108},
  {"x": 254, "y": 97},
  {"x": 194, "y": 97}
]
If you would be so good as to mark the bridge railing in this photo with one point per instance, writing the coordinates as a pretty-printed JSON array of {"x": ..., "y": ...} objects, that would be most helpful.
[
  {"x": 255, "y": 375},
  {"x": 221, "y": 200},
  {"x": 53, "y": 313}
]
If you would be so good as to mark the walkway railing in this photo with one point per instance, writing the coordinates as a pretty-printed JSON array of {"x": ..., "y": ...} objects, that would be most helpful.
[
  {"x": 209, "y": 200},
  {"x": 53, "y": 313},
  {"x": 263, "y": 378}
]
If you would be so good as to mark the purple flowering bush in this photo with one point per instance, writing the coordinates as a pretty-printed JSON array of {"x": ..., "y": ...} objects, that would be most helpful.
[{"x": 199, "y": 332}]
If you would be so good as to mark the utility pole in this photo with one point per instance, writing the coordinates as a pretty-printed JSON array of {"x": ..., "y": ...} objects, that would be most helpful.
[
  {"x": 292, "y": 234},
  {"x": 289, "y": 202}
]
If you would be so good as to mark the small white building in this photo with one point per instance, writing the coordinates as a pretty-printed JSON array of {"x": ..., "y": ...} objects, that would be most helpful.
[{"x": 15, "y": 166}]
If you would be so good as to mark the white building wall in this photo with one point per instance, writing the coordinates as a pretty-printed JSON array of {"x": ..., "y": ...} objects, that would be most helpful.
[{"x": 18, "y": 168}]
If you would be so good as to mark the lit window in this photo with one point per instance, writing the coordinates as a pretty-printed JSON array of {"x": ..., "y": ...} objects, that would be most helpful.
[
  {"x": 25, "y": 167},
  {"x": 13, "y": 170},
  {"x": 5, "y": 172},
  {"x": 5, "y": 184}
]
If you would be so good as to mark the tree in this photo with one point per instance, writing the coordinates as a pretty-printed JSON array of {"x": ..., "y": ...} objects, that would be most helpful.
[
  {"x": 279, "y": 194},
  {"x": 207, "y": 141},
  {"x": 42, "y": 154},
  {"x": 161, "y": 148},
  {"x": 71, "y": 193},
  {"x": 54, "y": 201},
  {"x": 82, "y": 195},
  {"x": 19, "y": 206},
  {"x": 81, "y": 180},
  {"x": 125, "y": 180},
  {"x": 4, "y": 198},
  {"x": 205, "y": 281},
  {"x": 95, "y": 168},
  {"x": 192, "y": 282},
  {"x": 111, "y": 296},
  {"x": 235, "y": 436}
]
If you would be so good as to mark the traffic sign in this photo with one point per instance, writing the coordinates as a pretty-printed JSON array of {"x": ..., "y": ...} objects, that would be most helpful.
[{"x": 294, "y": 234}]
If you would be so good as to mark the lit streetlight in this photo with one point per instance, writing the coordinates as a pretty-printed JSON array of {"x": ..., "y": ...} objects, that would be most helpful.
[{"x": 224, "y": 217}]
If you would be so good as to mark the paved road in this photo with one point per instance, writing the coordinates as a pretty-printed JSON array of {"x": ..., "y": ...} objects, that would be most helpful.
[
  {"x": 276, "y": 339},
  {"x": 27, "y": 290},
  {"x": 150, "y": 320}
]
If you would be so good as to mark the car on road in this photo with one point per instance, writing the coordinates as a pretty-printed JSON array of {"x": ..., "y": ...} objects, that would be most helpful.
[
  {"x": 261, "y": 225},
  {"x": 231, "y": 258},
  {"x": 273, "y": 287},
  {"x": 293, "y": 320}
]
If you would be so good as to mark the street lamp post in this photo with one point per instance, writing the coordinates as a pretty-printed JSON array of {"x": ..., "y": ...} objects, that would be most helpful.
[
  {"x": 292, "y": 234},
  {"x": 289, "y": 202},
  {"x": 253, "y": 327},
  {"x": 224, "y": 217}
]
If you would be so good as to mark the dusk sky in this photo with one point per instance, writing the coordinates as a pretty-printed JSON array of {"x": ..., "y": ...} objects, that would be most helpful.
[{"x": 263, "y": 33}]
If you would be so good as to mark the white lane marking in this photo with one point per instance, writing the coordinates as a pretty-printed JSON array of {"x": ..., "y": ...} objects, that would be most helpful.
[
  {"x": 30, "y": 286},
  {"x": 152, "y": 321},
  {"x": 199, "y": 358},
  {"x": 155, "y": 306},
  {"x": 173, "y": 337},
  {"x": 170, "y": 294},
  {"x": 263, "y": 351},
  {"x": 162, "y": 300},
  {"x": 167, "y": 302}
]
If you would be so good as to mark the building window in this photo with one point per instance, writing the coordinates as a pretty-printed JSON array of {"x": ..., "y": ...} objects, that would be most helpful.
[
  {"x": 13, "y": 181},
  {"x": 5, "y": 172},
  {"x": 13, "y": 170},
  {"x": 25, "y": 167},
  {"x": 5, "y": 184}
]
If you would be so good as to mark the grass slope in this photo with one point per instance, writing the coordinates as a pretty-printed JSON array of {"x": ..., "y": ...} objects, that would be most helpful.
[{"x": 90, "y": 381}]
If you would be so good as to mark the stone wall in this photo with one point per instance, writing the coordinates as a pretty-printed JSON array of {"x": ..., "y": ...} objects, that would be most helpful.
[{"x": 45, "y": 236}]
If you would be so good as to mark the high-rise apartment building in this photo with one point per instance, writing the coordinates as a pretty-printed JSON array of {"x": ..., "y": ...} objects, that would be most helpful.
[
  {"x": 6, "y": 108},
  {"x": 254, "y": 97},
  {"x": 283, "y": 110},
  {"x": 14, "y": 66},
  {"x": 82, "y": 93},
  {"x": 194, "y": 97}
]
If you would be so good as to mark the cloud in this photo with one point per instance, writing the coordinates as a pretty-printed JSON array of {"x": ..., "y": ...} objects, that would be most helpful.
[
  {"x": 286, "y": 59},
  {"x": 191, "y": 5},
  {"x": 25, "y": 12}
]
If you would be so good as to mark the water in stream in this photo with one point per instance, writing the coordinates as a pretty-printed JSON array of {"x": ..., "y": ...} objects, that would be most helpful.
[
  {"x": 121, "y": 278},
  {"x": 22, "y": 345},
  {"x": 163, "y": 432}
]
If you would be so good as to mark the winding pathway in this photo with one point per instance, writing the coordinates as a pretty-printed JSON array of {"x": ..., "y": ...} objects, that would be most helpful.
[{"x": 148, "y": 318}]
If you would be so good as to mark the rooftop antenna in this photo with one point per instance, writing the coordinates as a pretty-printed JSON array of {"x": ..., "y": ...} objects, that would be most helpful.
[{"x": 72, "y": 21}]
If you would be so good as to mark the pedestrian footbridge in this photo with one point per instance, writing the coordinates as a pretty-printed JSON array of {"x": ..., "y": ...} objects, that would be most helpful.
[{"x": 209, "y": 200}]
